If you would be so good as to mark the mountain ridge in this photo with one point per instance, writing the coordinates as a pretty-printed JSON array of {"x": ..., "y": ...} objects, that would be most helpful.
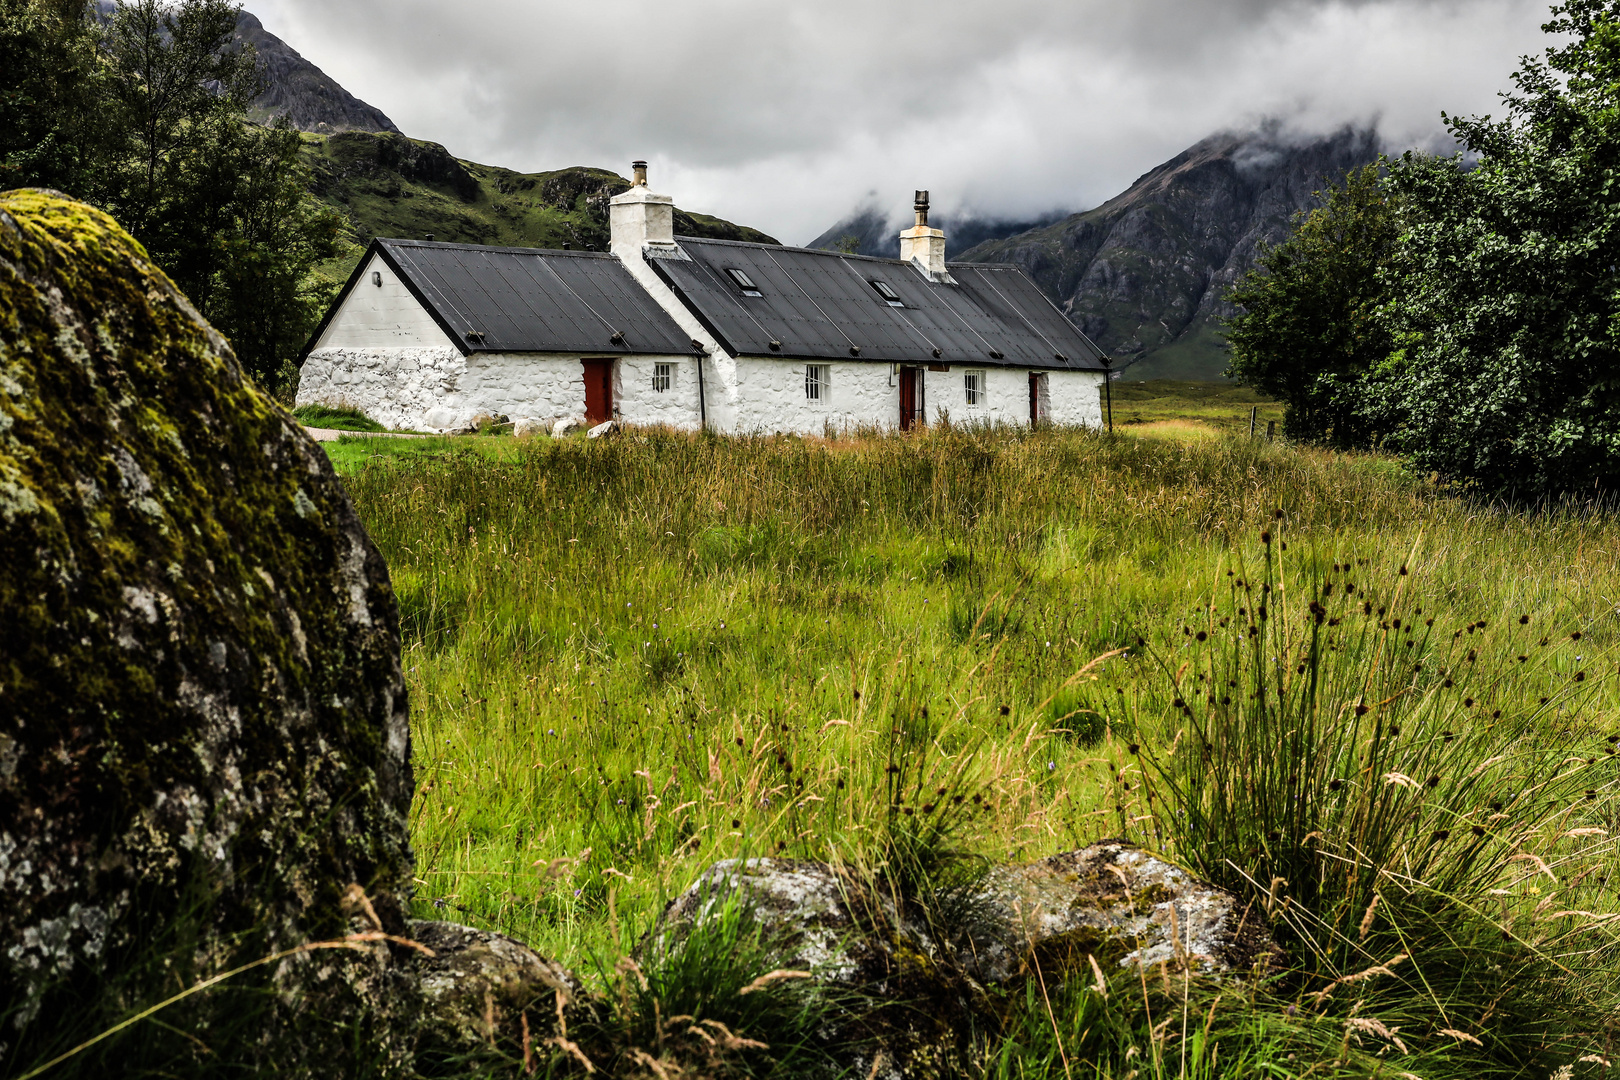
[{"x": 1146, "y": 273}]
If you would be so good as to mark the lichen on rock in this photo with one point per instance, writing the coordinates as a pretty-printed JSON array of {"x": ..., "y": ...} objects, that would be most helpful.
[{"x": 203, "y": 728}]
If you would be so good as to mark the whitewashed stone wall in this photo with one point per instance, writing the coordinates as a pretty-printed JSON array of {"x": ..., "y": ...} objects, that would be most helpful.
[
  {"x": 1074, "y": 398},
  {"x": 637, "y": 402},
  {"x": 768, "y": 395},
  {"x": 1066, "y": 397},
  {"x": 438, "y": 389},
  {"x": 441, "y": 390}
]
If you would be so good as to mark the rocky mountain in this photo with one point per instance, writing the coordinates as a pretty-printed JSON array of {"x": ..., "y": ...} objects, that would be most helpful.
[
  {"x": 297, "y": 89},
  {"x": 869, "y": 230},
  {"x": 1145, "y": 273},
  {"x": 302, "y": 92},
  {"x": 386, "y": 184}
]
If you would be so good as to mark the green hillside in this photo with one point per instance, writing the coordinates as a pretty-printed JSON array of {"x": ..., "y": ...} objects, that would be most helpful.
[{"x": 386, "y": 184}]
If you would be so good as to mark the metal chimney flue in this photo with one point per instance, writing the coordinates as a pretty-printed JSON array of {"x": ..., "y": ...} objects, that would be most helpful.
[
  {"x": 920, "y": 204},
  {"x": 639, "y": 169}
]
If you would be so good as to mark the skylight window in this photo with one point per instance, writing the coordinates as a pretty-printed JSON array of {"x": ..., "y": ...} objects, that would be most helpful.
[
  {"x": 888, "y": 294},
  {"x": 743, "y": 282}
]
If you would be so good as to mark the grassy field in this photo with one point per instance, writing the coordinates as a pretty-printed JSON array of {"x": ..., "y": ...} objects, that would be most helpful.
[
  {"x": 1171, "y": 408},
  {"x": 1384, "y": 713}
]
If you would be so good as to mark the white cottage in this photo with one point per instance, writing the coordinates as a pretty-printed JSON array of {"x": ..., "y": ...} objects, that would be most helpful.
[{"x": 693, "y": 333}]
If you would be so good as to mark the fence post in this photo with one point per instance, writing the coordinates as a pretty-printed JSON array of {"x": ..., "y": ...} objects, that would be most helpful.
[
  {"x": 1254, "y": 411},
  {"x": 1271, "y": 430}
]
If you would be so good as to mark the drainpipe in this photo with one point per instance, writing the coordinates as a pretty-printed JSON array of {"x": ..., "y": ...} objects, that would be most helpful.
[
  {"x": 1108, "y": 393},
  {"x": 703, "y": 405}
]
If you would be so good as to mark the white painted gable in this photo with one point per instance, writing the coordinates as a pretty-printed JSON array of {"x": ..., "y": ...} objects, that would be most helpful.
[{"x": 383, "y": 315}]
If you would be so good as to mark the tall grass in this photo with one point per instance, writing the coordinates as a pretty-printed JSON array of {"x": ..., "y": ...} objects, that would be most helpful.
[{"x": 631, "y": 657}]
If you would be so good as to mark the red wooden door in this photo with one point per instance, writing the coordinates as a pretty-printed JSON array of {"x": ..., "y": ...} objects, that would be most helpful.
[
  {"x": 908, "y": 398},
  {"x": 598, "y": 390}
]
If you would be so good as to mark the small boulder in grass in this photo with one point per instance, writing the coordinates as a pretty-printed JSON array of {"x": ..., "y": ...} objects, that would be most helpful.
[
  {"x": 607, "y": 427},
  {"x": 1112, "y": 903},
  {"x": 910, "y": 988},
  {"x": 480, "y": 987},
  {"x": 566, "y": 426}
]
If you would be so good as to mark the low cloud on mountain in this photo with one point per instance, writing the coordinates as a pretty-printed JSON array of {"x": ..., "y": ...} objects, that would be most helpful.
[{"x": 786, "y": 115}]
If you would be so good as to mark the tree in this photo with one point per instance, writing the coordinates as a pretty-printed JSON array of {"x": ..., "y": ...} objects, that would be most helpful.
[
  {"x": 1306, "y": 331},
  {"x": 145, "y": 115},
  {"x": 52, "y": 74},
  {"x": 266, "y": 295},
  {"x": 1505, "y": 310}
]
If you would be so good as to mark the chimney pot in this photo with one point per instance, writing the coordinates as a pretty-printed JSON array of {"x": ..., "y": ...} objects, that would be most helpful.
[
  {"x": 923, "y": 244},
  {"x": 639, "y": 219}
]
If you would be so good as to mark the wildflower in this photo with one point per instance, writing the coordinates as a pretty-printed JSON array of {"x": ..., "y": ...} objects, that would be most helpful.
[{"x": 1050, "y": 765}]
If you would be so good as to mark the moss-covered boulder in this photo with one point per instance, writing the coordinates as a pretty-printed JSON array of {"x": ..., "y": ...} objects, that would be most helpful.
[{"x": 203, "y": 726}]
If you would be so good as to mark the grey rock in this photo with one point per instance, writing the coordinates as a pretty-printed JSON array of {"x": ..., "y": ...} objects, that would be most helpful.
[
  {"x": 479, "y": 986},
  {"x": 606, "y": 428},
  {"x": 1112, "y": 902},
  {"x": 525, "y": 426},
  {"x": 567, "y": 426}
]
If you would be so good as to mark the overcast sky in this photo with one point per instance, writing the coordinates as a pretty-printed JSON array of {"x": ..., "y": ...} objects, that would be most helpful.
[{"x": 785, "y": 115}]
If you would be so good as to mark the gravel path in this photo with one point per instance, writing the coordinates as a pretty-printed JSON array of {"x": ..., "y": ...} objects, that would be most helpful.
[{"x": 322, "y": 434}]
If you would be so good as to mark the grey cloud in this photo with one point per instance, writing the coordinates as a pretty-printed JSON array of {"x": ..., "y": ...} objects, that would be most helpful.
[{"x": 784, "y": 115}]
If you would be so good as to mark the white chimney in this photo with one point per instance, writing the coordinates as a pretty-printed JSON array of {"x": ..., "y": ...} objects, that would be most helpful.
[
  {"x": 638, "y": 219},
  {"x": 923, "y": 245}
]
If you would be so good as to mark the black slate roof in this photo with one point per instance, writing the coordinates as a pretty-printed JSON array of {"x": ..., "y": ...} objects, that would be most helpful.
[
  {"x": 822, "y": 305},
  {"x": 499, "y": 299}
]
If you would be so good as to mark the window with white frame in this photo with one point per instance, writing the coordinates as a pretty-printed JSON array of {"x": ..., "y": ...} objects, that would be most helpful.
[
  {"x": 817, "y": 381},
  {"x": 973, "y": 386},
  {"x": 663, "y": 378}
]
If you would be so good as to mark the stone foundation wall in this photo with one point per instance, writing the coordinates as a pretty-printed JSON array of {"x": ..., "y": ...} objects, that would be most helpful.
[{"x": 438, "y": 389}]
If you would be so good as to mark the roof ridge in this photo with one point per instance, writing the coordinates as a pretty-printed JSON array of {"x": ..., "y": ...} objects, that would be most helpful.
[
  {"x": 790, "y": 247},
  {"x": 444, "y": 245}
]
